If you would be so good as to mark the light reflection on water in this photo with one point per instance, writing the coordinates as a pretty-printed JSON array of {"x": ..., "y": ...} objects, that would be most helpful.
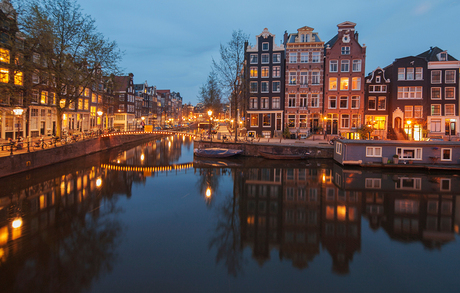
[{"x": 149, "y": 218}]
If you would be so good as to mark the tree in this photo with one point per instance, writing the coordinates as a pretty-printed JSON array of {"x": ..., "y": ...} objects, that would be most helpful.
[
  {"x": 66, "y": 49},
  {"x": 230, "y": 68},
  {"x": 210, "y": 94}
]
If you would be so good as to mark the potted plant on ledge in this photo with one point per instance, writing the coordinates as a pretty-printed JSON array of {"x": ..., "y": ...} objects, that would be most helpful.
[{"x": 395, "y": 159}]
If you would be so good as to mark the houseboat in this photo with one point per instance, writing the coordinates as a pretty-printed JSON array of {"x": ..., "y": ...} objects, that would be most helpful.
[{"x": 400, "y": 152}]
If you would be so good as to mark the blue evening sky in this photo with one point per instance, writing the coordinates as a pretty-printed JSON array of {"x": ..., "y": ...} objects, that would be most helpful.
[{"x": 171, "y": 43}]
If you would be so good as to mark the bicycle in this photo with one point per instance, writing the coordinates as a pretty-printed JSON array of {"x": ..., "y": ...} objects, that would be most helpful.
[{"x": 40, "y": 144}]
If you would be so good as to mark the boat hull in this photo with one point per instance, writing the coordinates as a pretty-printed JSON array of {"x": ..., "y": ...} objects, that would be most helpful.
[
  {"x": 272, "y": 156},
  {"x": 216, "y": 153}
]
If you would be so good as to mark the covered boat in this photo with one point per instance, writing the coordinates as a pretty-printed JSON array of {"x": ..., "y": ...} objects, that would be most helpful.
[{"x": 216, "y": 152}]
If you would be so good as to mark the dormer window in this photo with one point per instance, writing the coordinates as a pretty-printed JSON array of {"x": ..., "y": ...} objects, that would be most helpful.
[
  {"x": 377, "y": 79},
  {"x": 442, "y": 56}
]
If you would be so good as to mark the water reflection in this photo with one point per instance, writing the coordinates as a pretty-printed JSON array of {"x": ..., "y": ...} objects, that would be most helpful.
[
  {"x": 301, "y": 210},
  {"x": 58, "y": 226},
  {"x": 60, "y": 229}
]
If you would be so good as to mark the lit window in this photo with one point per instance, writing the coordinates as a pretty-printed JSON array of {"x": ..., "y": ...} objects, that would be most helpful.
[
  {"x": 332, "y": 83},
  {"x": 356, "y": 83},
  {"x": 4, "y": 55},
  {"x": 44, "y": 97},
  {"x": 18, "y": 78},
  {"x": 264, "y": 72},
  {"x": 254, "y": 72},
  {"x": 344, "y": 83},
  {"x": 4, "y": 74}
]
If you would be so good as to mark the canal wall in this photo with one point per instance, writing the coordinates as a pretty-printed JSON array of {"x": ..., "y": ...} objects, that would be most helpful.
[
  {"x": 18, "y": 163},
  {"x": 252, "y": 149}
]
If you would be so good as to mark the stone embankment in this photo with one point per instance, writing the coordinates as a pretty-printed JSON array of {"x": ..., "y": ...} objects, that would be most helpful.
[
  {"x": 17, "y": 163},
  {"x": 315, "y": 150}
]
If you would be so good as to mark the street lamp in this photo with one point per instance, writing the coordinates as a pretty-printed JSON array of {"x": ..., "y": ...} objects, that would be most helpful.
[
  {"x": 99, "y": 113},
  {"x": 17, "y": 112},
  {"x": 210, "y": 119}
]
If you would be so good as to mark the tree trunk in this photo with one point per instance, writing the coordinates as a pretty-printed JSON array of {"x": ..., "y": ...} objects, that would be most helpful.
[{"x": 58, "y": 122}]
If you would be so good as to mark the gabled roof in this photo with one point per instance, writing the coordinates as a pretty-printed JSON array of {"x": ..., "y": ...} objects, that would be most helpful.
[
  {"x": 432, "y": 55},
  {"x": 121, "y": 83},
  {"x": 332, "y": 41}
]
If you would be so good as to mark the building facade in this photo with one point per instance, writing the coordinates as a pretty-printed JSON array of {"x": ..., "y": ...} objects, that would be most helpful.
[
  {"x": 303, "y": 81},
  {"x": 265, "y": 74},
  {"x": 344, "y": 65}
]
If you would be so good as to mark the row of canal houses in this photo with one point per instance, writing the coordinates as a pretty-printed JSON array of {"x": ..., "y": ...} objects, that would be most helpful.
[
  {"x": 112, "y": 102},
  {"x": 309, "y": 86}
]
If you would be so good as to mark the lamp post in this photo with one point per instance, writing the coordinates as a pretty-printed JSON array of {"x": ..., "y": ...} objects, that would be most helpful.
[
  {"x": 99, "y": 113},
  {"x": 17, "y": 112},
  {"x": 210, "y": 120}
]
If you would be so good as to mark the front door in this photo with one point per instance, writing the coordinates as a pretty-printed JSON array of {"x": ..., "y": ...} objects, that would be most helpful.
[{"x": 42, "y": 128}]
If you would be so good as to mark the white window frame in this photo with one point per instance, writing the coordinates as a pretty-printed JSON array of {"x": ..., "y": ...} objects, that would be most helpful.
[
  {"x": 345, "y": 99},
  {"x": 276, "y": 89},
  {"x": 338, "y": 147},
  {"x": 265, "y": 46},
  {"x": 438, "y": 89},
  {"x": 401, "y": 73},
  {"x": 276, "y": 102},
  {"x": 332, "y": 98},
  {"x": 418, "y": 73},
  {"x": 251, "y": 87},
  {"x": 442, "y": 154},
  {"x": 276, "y": 57},
  {"x": 445, "y": 93},
  {"x": 314, "y": 101},
  {"x": 410, "y": 74},
  {"x": 262, "y": 86},
  {"x": 432, "y": 76},
  {"x": 418, "y": 153},
  {"x": 358, "y": 83},
  {"x": 373, "y": 152},
  {"x": 334, "y": 66},
  {"x": 433, "y": 113},
  {"x": 345, "y": 66},
  {"x": 267, "y": 58},
  {"x": 449, "y": 113},
  {"x": 357, "y": 65},
  {"x": 345, "y": 50},
  {"x": 304, "y": 57},
  {"x": 356, "y": 100},
  {"x": 445, "y": 76},
  {"x": 254, "y": 59},
  {"x": 315, "y": 57},
  {"x": 292, "y": 57}
]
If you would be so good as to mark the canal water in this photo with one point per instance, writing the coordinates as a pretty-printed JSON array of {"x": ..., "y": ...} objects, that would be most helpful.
[{"x": 148, "y": 218}]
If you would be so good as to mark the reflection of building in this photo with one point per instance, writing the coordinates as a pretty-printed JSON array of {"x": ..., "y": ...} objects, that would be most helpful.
[
  {"x": 341, "y": 225},
  {"x": 301, "y": 215},
  {"x": 409, "y": 207},
  {"x": 260, "y": 210},
  {"x": 298, "y": 209}
]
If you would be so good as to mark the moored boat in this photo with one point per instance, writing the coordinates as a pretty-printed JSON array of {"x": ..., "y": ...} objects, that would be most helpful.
[
  {"x": 216, "y": 152},
  {"x": 273, "y": 156}
]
